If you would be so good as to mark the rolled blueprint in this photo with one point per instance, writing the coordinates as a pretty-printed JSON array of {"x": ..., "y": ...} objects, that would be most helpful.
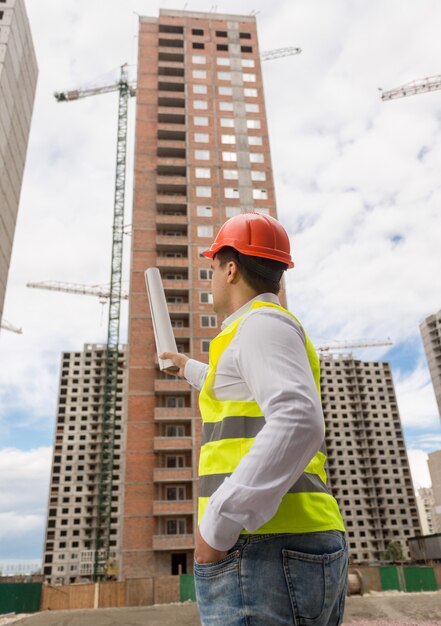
[{"x": 164, "y": 338}]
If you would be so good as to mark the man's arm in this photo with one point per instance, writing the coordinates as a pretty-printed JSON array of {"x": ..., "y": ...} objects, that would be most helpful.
[{"x": 195, "y": 372}]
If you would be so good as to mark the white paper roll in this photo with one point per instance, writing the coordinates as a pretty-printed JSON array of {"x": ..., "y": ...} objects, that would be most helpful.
[{"x": 164, "y": 338}]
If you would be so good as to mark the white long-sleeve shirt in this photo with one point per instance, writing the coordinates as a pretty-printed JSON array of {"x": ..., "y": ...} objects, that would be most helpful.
[{"x": 267, "y": 362}]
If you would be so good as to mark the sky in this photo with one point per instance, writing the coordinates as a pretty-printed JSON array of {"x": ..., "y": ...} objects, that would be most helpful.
[{"x": 357, "y": 185}]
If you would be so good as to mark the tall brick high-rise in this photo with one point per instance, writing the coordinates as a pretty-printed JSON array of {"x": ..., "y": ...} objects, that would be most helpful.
[{"x": 202, "y": 155}]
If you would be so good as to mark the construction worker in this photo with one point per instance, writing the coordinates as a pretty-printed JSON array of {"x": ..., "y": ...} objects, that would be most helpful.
[{"x": 270, "y": 546}]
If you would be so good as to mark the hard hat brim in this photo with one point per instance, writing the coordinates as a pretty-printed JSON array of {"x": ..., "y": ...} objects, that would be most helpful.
[{"x": 256, "y": 251}]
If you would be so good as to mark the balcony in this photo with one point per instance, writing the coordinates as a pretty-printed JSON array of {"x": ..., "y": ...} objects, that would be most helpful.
[
  {"x": 174, "y": 474},
  {"x": 164, "y": 262},
  {"x": 171, "y": 83},
  {"x": 177, "y": 243},
  {"x": 175, "y": 285},
  {"x": 171, "y": 171},
  {"x": 171, "y": 184},
  {"x": 173, "y": 542},
  {"x": 170, "y": 132},
  {"x": 171, "y": 150},
  {"x": 178, "y": 308},
  {"x": 169, "y": 413},
  {"x": 172, "y": 443},
  {"x": 171, "y": 99},
  {"x": 171, "y": 68},
  {"x": 173, "y": 507},
  {"x": 169, "y": 40},
  {"x": 166, "y": 220},
  {"x": 171, "y": 56},
  {"x": 162, "y": 385},
  {"x": 169, "y": 110}
]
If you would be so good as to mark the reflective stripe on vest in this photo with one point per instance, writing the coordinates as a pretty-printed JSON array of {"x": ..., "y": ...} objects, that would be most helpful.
[{"x": 228, "y": 432}]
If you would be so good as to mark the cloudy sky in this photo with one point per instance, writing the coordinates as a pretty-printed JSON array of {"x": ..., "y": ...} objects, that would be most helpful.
[{"x": 357, "y": 182}]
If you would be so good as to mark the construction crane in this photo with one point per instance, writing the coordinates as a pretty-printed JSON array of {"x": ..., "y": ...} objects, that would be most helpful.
[
  {"x": 102, "y": 535},
  {"x": 431, "y": 83},
  {"x": 8, "y": 326},
  {"x": 126, "y": 90},
  {"x": 102, "y": 292},
  {"x": 354, "y": 343}
]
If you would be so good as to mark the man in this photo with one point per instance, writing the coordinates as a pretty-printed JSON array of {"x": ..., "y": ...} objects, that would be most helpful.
[{"x": 270, "y": 547}]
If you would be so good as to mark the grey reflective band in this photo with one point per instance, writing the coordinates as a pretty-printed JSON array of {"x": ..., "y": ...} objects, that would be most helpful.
[
  {"x": 307, "y": 483},
  {"x": 232, "y": 427}
]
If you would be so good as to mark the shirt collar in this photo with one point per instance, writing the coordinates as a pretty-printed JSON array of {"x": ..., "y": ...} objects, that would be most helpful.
[{"x": 262, "y": 297}]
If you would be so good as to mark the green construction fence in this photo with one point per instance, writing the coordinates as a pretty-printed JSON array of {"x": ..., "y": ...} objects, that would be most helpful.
[
  {"x": 20, "y": 597},
  {"x": 187, "y": 591},
  {"x": 407, "y": 578}
]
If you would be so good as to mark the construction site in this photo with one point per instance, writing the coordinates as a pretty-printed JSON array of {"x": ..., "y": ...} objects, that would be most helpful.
[{"x": 122, "y": 505}]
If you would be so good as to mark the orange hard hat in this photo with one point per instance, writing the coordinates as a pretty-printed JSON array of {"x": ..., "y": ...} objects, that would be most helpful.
[{"x": 253, "y": 234}]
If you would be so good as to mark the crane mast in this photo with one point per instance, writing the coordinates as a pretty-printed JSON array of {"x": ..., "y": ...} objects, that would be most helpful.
[
  {"x": 102, "y": 536},
  {"x": 102, "y": 531}
]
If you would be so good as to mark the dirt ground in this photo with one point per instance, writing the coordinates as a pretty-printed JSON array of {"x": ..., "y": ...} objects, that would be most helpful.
[{"x": 374, "y": 609}]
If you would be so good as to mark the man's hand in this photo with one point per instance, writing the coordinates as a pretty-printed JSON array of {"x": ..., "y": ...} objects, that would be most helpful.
[
  {"x": 204, "y": 553},
  {"x": 179, "y": 360}
]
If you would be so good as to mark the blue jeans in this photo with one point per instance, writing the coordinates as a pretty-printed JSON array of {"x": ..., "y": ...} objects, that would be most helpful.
[{"x": 276, "y": 580}]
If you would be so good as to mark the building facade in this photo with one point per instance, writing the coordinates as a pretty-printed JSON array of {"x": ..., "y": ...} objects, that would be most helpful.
[
  {"x": 18, "y": 79},
  {"x": 69, "y": 548},
  {"x": 426, "y": 509},
  {"x": 430, "y": 329},
  {"x": 368, "y": 466},
  {"x": 202, "y": 155},
  {"x": 434, "y": 463}
]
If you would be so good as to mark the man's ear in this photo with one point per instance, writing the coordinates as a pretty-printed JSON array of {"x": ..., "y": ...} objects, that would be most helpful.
[{"x": 233, "y": 272}]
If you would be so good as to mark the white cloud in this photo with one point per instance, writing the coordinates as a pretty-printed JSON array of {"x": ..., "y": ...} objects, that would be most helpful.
[
  {"x": 24, "y": 479},
  {"x": 416, "y": 400},
  {"x": 24, "y": 483}
]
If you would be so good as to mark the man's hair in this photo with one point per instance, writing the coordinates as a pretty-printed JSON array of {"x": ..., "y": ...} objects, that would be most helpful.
[{"x": 262, "y": 275}]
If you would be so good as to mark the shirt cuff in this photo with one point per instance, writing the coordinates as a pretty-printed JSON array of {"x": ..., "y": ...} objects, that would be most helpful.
[
  {"x": 195, "y": 373},
  {"x": 219, "y": 532}
]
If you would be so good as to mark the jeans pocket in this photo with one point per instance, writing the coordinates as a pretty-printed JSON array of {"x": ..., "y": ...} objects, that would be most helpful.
[
  {"x": 228, "y": 563},
  {"x": 315, "y": 583}
]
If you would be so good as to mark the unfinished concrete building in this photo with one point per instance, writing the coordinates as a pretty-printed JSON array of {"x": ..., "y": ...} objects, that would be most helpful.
[
  {"x": 430, "y": 329},
  {"x": 18, "y": 80},
  {"x": 368, "y": 465},
  {"x": 69, "y": 550},
  {"x": 426, "y": 509},
  {"x": 434, "y": 463}
]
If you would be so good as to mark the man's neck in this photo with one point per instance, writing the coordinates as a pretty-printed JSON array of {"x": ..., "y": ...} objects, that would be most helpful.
[{"x": 264, "y": 297}]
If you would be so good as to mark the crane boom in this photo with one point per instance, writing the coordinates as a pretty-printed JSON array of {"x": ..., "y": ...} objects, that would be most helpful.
[
  {"x": 86, "y": 290},
  {"x": 8, "y": 326},
  {"x": 431, "y": 83},
  {"x": 76, "y": 94},
  {"x": 360, "y": 343},
  {"x": 277, "y": 53}
]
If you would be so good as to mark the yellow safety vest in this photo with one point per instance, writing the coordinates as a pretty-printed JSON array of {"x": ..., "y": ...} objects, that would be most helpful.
[{"x": 228, "y": 432}]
